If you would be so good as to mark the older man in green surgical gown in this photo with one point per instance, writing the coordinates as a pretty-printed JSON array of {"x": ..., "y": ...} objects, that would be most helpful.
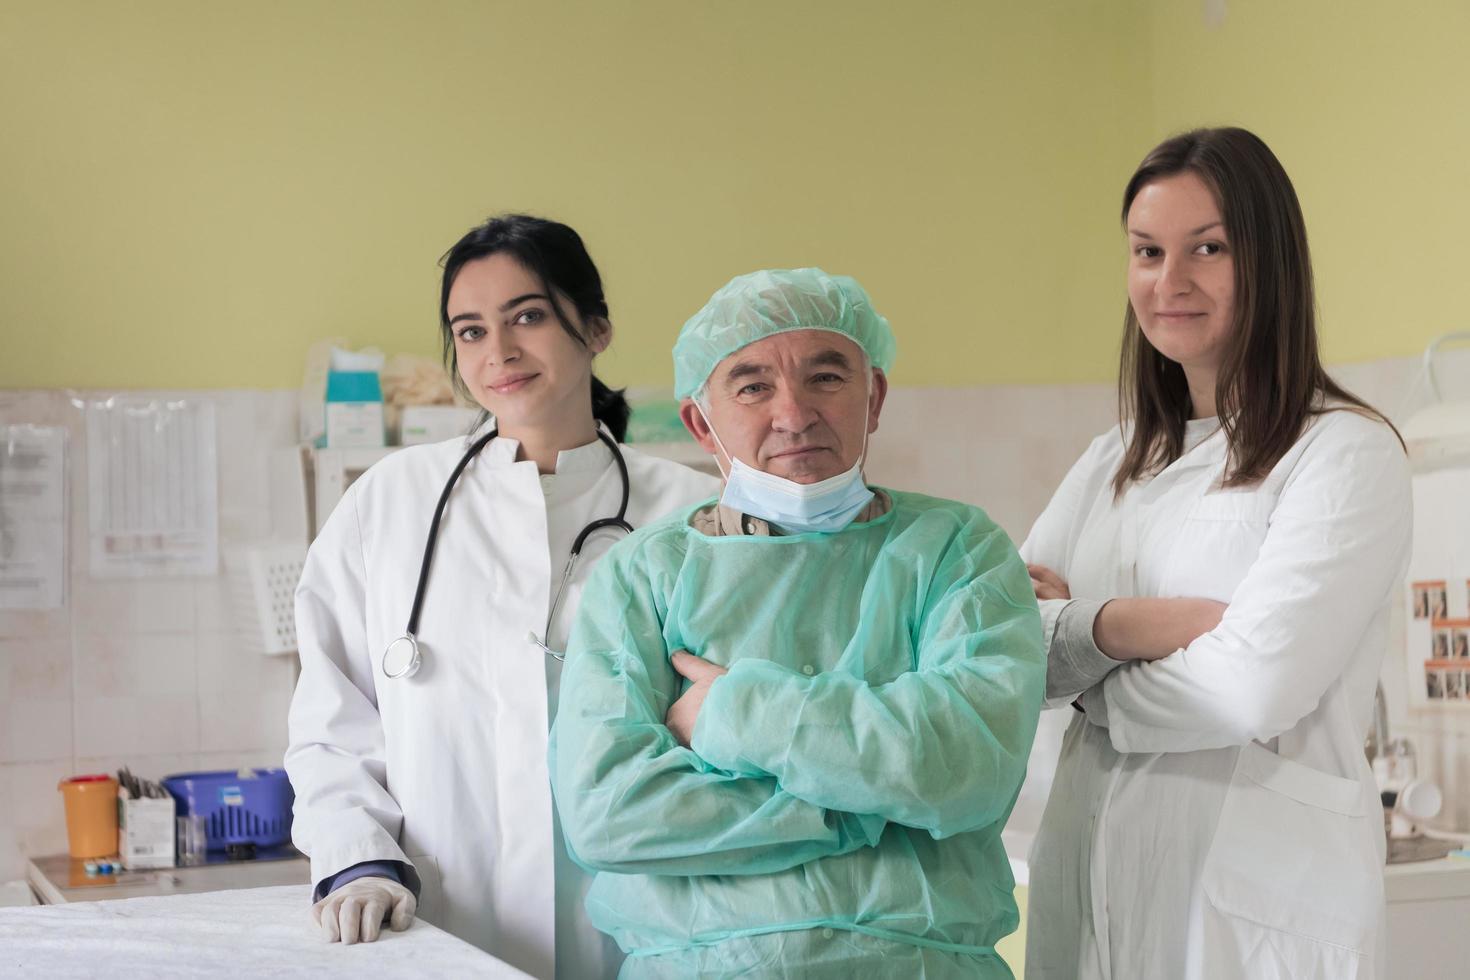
[{"x": 793, "y": 721}]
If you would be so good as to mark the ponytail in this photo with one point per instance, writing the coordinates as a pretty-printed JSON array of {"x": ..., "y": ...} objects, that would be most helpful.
[{"x": 610, "y": 408}]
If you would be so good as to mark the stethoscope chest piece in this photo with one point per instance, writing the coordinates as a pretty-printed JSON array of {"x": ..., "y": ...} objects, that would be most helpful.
[
  {"x": 402, "y": 658},
  {"x": 535, "y": 641}
]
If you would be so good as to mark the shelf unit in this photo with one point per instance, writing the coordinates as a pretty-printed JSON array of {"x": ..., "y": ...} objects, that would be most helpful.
[{"x": 329, "y": 472}]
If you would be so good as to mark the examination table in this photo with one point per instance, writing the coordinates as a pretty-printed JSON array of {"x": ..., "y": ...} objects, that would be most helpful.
[{"x": 250, "y": 932}]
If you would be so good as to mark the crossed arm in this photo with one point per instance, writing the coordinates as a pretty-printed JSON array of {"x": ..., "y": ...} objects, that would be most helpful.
[{"x": 782, "y": 768}]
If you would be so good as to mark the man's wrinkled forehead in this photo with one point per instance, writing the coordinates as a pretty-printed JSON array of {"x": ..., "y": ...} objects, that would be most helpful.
[{"x": 808, "y": 350}]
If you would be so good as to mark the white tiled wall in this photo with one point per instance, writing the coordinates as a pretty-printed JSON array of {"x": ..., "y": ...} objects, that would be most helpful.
[
  {"x": 152, "y": 674},
  {"x": 1002, "y": 448},
  {"x": 149, "y": 673}
]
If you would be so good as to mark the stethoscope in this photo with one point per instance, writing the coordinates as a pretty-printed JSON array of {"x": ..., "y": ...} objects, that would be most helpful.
[{"x": 409, "y": 655}]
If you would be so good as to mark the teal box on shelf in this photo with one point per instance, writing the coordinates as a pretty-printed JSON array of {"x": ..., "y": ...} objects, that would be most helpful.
[{"x": 354, "y": 410}]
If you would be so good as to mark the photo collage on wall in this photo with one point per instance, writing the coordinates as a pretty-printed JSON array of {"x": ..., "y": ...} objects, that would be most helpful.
[{"x": 1444, "y": 638}]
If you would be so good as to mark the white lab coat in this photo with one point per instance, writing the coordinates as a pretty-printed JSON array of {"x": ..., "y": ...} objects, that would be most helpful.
[
  {"x": 446, "y": 770},
  {"x": 1212, "y": 815}
]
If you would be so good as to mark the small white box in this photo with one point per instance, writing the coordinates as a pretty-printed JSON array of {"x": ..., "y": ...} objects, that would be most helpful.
[
  {"x": 354, "y": 425},
  {"x": 145, "y": 833},
  {"x": 419, "y": 424}
]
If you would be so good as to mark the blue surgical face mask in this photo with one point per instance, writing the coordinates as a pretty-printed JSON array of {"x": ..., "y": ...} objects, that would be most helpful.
[{"x": 796, "y": 508}]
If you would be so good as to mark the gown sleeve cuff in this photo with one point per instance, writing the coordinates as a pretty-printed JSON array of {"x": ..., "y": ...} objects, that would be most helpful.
[{"x": 367, "y": 869}]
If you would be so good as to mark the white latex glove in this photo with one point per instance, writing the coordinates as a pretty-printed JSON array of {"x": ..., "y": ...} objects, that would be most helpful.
[{"x": 356, "y": 911}]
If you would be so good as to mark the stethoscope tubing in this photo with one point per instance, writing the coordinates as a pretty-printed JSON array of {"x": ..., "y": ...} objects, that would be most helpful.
[{"x": 619, "y": 522}]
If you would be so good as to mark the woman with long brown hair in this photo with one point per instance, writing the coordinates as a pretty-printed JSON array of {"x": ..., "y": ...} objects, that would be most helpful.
[{"x": 1215, "y": 576}]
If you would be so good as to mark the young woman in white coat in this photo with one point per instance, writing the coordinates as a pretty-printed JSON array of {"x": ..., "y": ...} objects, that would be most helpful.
[
  {"x": 1215, "y": 578},
  {"x": 420, "y": 767}
]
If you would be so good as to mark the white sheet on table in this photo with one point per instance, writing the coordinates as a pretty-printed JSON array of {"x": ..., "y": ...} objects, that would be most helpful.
[{"x": 247, "y": 932}]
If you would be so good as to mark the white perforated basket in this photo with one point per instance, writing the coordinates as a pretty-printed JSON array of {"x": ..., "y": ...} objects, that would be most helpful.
[{"x": 265, "y": 595}]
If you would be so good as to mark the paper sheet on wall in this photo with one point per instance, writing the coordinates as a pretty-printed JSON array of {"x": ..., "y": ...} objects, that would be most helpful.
[
  {"x": 1437, "y": 647},
  {"x": 32, "y": 517},
  {"x": 152, "y": 487}
]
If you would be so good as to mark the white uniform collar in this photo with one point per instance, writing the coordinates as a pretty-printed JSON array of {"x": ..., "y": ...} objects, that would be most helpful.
[
  {"x": 1197, "y": 431},
  {"x": 594, "y": 456},
  {"x": 501, "y": 451},
  {"x": 577, "y": 469}
]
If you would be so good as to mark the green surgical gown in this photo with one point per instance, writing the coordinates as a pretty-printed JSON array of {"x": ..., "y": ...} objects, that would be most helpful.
[{"x": 850, "y": 775}]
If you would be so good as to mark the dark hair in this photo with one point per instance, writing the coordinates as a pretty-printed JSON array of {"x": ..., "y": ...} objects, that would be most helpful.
[
  {"x": 1271, "y": 381},
  {"x": 554, "y": 253}
]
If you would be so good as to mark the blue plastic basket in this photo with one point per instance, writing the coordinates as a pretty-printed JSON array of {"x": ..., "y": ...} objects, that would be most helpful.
[{"x": 237, "y": 812}]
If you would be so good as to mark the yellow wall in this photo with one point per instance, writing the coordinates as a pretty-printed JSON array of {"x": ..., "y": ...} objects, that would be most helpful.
[
  {"x": 192, "y": 192},
  {"x": 1368, "y": 106}
]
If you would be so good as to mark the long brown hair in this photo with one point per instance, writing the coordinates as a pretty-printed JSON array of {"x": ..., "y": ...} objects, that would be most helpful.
[{"x": 1271, "y": 381}]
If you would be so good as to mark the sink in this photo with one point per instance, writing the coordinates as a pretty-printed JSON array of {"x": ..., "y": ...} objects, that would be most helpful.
[{"x": 1404, "y": 850}]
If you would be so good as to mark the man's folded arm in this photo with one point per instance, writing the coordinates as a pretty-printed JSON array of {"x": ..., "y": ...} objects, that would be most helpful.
[
  {"x": 941, "y": 748},
  {"x": 632, "y": 799}
]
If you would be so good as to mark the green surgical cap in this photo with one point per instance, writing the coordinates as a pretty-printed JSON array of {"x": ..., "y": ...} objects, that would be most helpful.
[{"x": 762, "y": 304}]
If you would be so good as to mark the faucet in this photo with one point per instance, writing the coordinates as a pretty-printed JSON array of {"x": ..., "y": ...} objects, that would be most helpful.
[
  {"x": 1377, "y": 743},
  {"x": 1392, "y": 759}
]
